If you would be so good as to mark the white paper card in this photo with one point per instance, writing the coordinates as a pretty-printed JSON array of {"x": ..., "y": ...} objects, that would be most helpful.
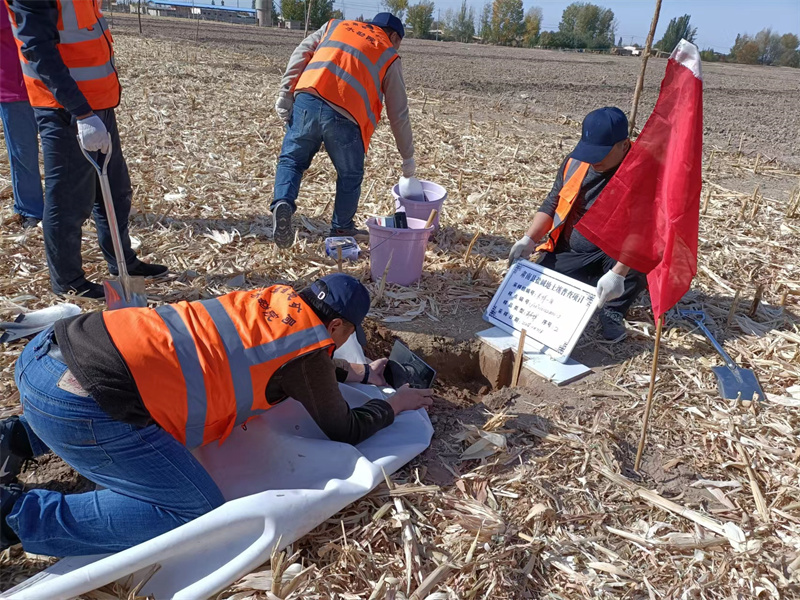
[{"x": 552, "y": 308}]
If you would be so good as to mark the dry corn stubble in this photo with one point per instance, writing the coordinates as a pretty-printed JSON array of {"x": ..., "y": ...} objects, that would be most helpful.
[{"x": 535, "y": 516}]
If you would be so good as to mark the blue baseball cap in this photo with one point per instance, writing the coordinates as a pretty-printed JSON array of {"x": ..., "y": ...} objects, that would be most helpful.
[
  {"x": 389, "y": 20},
  {"x": 344, "y": 294},
  {"x": 602, "y": 128}
]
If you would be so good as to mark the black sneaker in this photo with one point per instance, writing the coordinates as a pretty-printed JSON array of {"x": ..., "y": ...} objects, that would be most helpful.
[
  {"x": 282, "y": 231},
  {"x": 9, "y": 494},
  {"x": 29, "y": 222},
  {"x": 143, "y": 269},
  {"x": 613, "y": 324},
  {"x": 359, "y": 234},
  {"x": 15, "y": 449},
  {"x": 86, "y": 290}
]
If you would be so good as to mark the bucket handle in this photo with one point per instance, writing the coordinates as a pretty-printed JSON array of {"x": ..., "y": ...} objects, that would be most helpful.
[{"x": 391, "y": 237}]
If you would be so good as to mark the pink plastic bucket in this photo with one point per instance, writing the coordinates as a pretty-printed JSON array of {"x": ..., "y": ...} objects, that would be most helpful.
[
  {"x": 405, "y": 247},
  {"x": 435, "y": 196}
]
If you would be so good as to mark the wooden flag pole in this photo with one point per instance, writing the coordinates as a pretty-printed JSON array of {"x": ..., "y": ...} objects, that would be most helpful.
[
  {"x": 645, "y": 55},
  {"x": 649, "y": 405},
  {"x": 308, "y": 15}
]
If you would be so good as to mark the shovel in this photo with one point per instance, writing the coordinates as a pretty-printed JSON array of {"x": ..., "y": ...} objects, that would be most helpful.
[
  {"x": 735, "y": 383},
  {"x": 126, "y": 291}
]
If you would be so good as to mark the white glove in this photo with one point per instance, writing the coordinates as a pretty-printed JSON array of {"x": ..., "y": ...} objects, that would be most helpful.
[
  {"x": 522, "y": 248},
  {"x": 283, "y": 106},
  {"x": 610, "y": 286},
  {"x": 93, "y": 134},
  {"x": 409, "y": 167}
]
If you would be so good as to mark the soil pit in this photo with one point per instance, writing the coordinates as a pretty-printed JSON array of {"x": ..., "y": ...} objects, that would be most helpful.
[{"x": 465, "y": 396}]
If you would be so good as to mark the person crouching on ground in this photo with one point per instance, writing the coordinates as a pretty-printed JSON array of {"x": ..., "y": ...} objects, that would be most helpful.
[
  {"x": 123, "y": 396},
  {"x": 580, "y": 179},
  {"x": 333, "y": 93}
]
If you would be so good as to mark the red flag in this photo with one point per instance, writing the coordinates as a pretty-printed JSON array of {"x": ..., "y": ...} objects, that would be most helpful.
[{"x": 648, "y": 215}]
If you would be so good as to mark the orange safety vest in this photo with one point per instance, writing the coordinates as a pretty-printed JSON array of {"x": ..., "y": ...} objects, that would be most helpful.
[
  {"x": 85, "y": 45},
  {"x": 202, "y": 368},
  {"x": 574, "y": 174},
  {"x": 347, "y": 69}
]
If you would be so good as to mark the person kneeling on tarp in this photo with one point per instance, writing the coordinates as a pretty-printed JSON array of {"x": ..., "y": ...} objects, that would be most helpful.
[
  {"x": 123, "y": 396},
  {"x": 580, "y": 179}
]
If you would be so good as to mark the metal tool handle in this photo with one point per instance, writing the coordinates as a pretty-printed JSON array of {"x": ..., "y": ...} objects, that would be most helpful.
[
  {"x": 108, "y": 203},
  {"x": 699, "y": 317}
]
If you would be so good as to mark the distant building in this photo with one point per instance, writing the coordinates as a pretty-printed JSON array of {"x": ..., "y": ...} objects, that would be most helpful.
[
  {"x": 286, "y": 24},
  {"x": 626, "y": 51},
  {"x": 196, "y": 10}
]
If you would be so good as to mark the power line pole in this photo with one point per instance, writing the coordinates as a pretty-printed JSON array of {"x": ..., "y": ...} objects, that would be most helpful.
[{"x": 438, "y": 22}]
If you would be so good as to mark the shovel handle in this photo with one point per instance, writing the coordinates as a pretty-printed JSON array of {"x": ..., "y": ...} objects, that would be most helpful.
[
  {"x": 699, "y": 317},
  {"x": 111, "y": 215}
]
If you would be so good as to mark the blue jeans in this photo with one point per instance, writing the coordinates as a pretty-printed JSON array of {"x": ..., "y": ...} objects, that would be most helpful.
[
  {"x": 72, "y": 194},
  {"x": 153, "y": 483},
  {"x": 22, "y": 143},
  {"x": 314, "y": 122}
]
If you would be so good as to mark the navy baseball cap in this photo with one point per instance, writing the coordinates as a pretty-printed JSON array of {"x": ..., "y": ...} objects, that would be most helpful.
[
  {"x": 344, "y": 294},
  {"x": 602, "y": 128},
  {"x": 389, "y": 20}
]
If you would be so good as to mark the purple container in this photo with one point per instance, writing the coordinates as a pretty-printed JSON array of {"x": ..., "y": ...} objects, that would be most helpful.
[
  {"x": 405, "y": 248},
  {"x": 435, "y": 196}
]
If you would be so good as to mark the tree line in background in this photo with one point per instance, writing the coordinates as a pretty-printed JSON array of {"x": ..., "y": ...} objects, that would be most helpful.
[
  {"x": 765, "y": 48},
  {"x": 505, "y": 22},
  {"x": 320, "y": 13},
  {"x": 583, "y": 26}
]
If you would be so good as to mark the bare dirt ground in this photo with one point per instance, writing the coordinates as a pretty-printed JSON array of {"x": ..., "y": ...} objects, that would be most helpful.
[{"x": 538, "y": 515}]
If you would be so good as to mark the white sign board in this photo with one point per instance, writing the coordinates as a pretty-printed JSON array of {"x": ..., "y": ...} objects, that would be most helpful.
[{"x": 552, "y": 308}]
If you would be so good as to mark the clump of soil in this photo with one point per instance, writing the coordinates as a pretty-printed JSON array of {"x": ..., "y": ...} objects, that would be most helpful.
[{"x": 379, "y": 339}]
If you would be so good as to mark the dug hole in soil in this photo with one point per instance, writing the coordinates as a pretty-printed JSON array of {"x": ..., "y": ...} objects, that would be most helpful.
[{"x": 464, "y": 396}]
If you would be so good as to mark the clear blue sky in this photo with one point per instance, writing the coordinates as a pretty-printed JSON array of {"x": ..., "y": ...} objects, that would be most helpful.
[{"x": 717, "y": 21}]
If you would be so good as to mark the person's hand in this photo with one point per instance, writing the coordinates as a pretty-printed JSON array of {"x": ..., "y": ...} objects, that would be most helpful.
[
  {"x": 409, "y": 167},
  {"x": 283, "y": 106},
  {"x": 93, "y": 134},
  {"x": 522, "y": 248},
  {"x": 376, "y": 369},
  {"x": 408, "y": 398},
  {"x": 610, "y": 286}
]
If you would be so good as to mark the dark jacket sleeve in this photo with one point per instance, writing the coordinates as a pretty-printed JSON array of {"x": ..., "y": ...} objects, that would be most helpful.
[
  {"x": 341, "y": 369},
  {"x": 551, "y": 202},
  {"x": 37, "y": 29},
  {"x": 311, "y": 380}
]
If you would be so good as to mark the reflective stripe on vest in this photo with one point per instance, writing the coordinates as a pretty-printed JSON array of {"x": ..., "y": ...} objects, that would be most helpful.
[
  {"x": 196, "y": 398},
  {"x": 351, "y": 81},
  {"x": 71, "y": 31},
  {"x": 574, "y": 174},
  {"x": 198, "y": 371},
  {"x": 374, "y": 69},
  {"x": 241, "y": 359},
  {"x": 347, "y": 70},
  {"x": 79, "y": 74},
  {"x": 85, "y": 46}
]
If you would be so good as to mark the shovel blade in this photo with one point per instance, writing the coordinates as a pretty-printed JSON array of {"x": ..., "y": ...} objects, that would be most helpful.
[
  {"x": 738, "y": 383},
  {"x": 127, "y": 294}
]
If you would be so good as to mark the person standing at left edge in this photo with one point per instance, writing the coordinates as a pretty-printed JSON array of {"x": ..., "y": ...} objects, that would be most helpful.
[
  {"x": 19, "y": 128},
  {"x": 333, "y": 93},
  {"x": 68, "y": 65}
]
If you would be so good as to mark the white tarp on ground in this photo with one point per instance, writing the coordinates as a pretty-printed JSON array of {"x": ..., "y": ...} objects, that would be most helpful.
[{"x": 307, "y": 479}]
